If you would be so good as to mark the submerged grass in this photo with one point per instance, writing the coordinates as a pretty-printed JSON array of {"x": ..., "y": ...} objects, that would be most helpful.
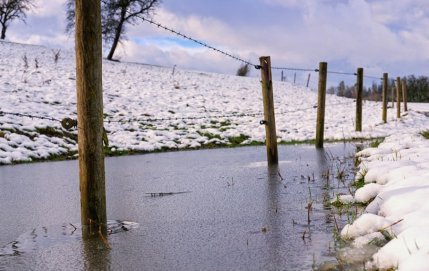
[{"x": 234, "y": 142}]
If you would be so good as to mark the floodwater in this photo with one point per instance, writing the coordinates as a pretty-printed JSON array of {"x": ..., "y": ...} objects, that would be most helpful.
[{"x": 237, "y": 213}]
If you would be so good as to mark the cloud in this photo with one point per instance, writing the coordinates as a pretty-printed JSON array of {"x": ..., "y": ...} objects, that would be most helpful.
[
  {"x": 45, "y": 8},
  {"x": 379, "y": 35}
]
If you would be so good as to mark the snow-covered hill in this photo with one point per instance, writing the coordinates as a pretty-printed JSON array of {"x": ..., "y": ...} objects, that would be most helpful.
[{"x": 135, "y": 95}]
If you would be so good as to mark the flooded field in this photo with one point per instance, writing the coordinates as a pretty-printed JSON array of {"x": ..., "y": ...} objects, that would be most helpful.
[{"x": 221, "y": 209}]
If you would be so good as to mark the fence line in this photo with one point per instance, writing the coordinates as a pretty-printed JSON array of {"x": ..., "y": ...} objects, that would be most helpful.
[
  {"x": 28, "y": 116},
  {"x": 240, "y": 59},
  {"x": 268, "y": 114},
  {"x": 145, "y": 120}
]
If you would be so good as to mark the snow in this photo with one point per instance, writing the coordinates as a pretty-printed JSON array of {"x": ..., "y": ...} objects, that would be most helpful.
[
  {"x": 397, "y": 186},
  {"x": 140, "y": 92},
  {"x": 396, "y": 173}
]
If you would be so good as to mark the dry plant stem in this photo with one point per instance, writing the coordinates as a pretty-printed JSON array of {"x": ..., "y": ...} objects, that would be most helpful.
[
  {"x": 336, "y": 224},
  {"x": 281, "y": 177},
  {"x": 391, "y": 225},
  {"x": 309, "y": 205},
  {"x": 103, "y": 238}
]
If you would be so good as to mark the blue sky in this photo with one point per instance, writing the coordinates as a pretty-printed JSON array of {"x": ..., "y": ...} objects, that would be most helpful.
[{"x": 379, "y": 35}]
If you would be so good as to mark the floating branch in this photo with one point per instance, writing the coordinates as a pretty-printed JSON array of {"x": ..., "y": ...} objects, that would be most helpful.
[{"x": 162, "y": 194}]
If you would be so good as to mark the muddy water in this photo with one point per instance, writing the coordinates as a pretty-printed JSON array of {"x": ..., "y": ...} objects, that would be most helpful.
[{"x": 236, "y": 214}]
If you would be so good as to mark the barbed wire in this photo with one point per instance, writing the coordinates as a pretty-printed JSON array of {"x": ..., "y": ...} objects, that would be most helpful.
[
  {"x": 198, "y": 42},
  {"x": 294, "y": 69},
  {"x": 150, "y": 120},
  {"x": 256, "y": 66},
  {"x": 2, "y": 113},
  {"x": 143, "y": 120},
  {"x": 342, "y": 73},
  {"x": 311, "y": 108},
  {"x": 373, "y": 77}
]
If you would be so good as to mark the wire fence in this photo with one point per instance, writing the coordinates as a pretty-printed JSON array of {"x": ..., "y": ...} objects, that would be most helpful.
[
  {"x": 68, "y": 123},
  {"x": 237, "y": 58}
]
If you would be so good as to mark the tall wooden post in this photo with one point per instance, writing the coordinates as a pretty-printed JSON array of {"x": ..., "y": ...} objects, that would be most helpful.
[
  {"x": 398, "y": 97},
  {"x": 359, "y": 92},
  {"x": 320, "y": 123},
  {"x": 308, "y": 79},
  {"x": 90, "y": 117},
  {"x": 385, "y": 87},
  {"x": 269, "y": 121},
  {"x": 404, "y": 95},
  {"x": 294, "y": 78}
]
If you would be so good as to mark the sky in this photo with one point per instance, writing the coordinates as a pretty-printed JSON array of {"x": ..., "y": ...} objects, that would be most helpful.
[{"x": 379, "y": 35}]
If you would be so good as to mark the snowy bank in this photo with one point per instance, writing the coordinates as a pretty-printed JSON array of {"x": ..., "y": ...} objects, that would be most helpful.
[
  {"x": 150, "y": 108},
  {"x": 396, "y": 176}
]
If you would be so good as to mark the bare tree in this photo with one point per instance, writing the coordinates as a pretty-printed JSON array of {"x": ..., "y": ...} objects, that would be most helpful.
[
  {"x": 115, "y": 14},
  {"x": 11, "y": 10}
]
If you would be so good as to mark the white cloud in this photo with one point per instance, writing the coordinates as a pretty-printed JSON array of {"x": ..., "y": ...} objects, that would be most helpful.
[
  {"x": 380, "y": 35},
  {"x": 48, "y": 8}
]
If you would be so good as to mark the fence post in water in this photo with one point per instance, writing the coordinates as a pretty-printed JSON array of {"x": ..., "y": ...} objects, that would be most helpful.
[
  {"x": 359, "y": 92},
  {"x": 320, "y": 124},
  {"x": 404, "y": 95},
  {"x": 90, "y": 117},
  {"x": 385, "y": 86},
  {"x": 398, "y": 97},
  {"x": 269, "y": 117}
]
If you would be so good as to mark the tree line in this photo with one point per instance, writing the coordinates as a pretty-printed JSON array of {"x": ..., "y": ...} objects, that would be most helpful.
[
  {"x": 417, "y": 88},
  {"x": 115, "y": 16}
]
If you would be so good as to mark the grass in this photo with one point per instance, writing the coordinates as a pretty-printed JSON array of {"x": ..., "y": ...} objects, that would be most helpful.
[
  {"x": 359, "y": 183},
  {"x": 425, "y": 134},
  {"x": 339, "y": 204},
  {"x": 376, "y": 143},
  {"x": 237, "y": 140},
  {"x": 209, "y": 135}
]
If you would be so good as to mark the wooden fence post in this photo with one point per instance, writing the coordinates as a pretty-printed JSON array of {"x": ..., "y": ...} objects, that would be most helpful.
[
  {"x": 385, "y": 87},
  {"x": 404, "y": 95},
  {"x": 269, "y": 117},
  {"x": 308, "y": 79},
  {"x": 320, "y": 123},
  {"x": 90, "y": 117},
  {"x": 398, "y": 97},
  {"x": 359, "y": 92}
]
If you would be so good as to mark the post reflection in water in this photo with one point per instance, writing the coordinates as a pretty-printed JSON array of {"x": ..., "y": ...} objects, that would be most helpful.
[
  {"x": 95, "y": 254},
  {"x": 256, "y": 222},
  {"x": 275, "y": 238}
]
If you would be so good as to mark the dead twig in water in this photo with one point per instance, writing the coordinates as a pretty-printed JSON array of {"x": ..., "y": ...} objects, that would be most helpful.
[
  {"x": 336, "y": 224},
  {"x": 309, "y": 208},
  {"x": 73, "y": 227},
  {"x": 281, "y": 178},
  {"x": 103, "y": 238},
  {"x": 161, "y": 194}
]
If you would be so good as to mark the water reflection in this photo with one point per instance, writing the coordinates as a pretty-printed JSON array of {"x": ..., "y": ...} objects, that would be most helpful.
[
  {"x": 95, "y": 254},
  {"x": 275, "y": 237},
  {"x": 240, "y": 214}
]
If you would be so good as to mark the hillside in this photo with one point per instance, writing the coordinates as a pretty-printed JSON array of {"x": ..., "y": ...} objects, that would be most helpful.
[{"x": 150, "y": 108}]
